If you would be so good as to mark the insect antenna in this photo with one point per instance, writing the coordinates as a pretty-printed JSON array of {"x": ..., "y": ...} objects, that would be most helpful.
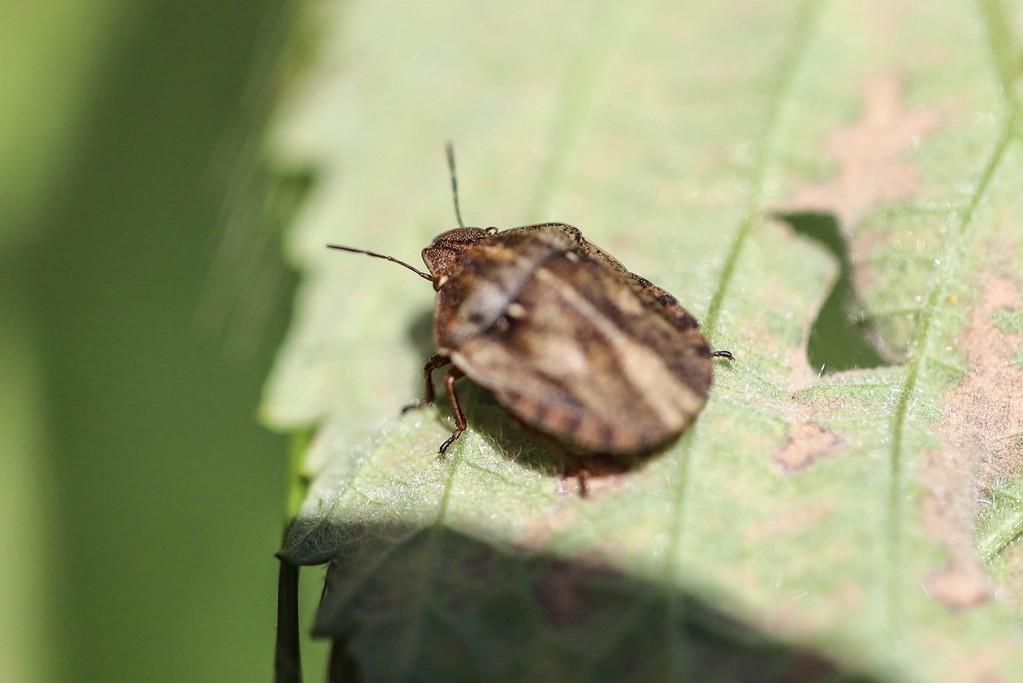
[
  {"x": 425, "y": 276},
  {"x": 454, "y": 183}
]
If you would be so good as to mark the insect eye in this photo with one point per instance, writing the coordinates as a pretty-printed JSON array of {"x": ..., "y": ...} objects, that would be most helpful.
[{"x": 491, "y": 230}]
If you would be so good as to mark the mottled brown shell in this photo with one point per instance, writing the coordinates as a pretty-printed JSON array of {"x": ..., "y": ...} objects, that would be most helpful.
[{"x": 570, "y": 342}]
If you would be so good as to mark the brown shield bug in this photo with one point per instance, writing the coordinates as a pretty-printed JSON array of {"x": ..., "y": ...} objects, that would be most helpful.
[{"x": 594, "y": 358}]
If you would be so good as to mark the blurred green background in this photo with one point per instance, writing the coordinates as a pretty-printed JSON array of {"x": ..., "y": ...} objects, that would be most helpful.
[{"x": 141, "y": 501}]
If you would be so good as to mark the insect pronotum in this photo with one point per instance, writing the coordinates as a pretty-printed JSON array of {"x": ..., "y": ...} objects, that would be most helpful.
[{"x": 593, "y": 358}]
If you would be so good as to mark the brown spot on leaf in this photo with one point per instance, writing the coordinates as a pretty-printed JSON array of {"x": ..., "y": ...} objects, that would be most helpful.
[
  {"x": 992, "y": 394},
  {"x": 948, "y": 514},
  {"x": 807, "y": 442},
  {"x": 960, "y": 585},
  {"x": 874, "y": 169},
  {"x": 870, "y": 155},
  {"x": 983, "y": 418},
  {"x": 984, "y": 413}
]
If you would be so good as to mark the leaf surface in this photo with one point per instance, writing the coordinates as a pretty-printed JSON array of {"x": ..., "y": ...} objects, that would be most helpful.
[{"x": 769, "y": 164}]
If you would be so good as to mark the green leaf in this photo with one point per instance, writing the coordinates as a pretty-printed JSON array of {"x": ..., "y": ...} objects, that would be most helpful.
[{"x": 838, "y": 181}]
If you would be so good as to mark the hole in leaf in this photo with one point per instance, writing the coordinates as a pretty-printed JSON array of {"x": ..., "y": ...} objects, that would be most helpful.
[{"x": 839, "y": 336}]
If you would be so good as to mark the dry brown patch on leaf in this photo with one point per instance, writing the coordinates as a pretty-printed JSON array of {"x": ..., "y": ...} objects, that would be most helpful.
[
  {"x": 984, "y": 414},
  {"x": 870, "y": 156},
  {"x": 873, "y": 170},
  {"x": 985, "y": 407},
  {"x": 960, "y": 586},
  {"x": 948, "y": 512},
  {"x": 807, "y": 443}
]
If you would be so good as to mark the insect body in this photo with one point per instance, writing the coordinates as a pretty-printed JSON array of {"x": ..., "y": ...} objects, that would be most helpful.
[{"x": 572, "y": 344}]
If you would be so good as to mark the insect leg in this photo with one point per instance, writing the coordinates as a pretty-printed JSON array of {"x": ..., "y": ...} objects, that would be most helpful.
[
  {"x": 722, "y": 354},
  {"x": 574, "y": 467},
  {"x": 460, "y": 424},
  {"x": 436, "y": 361}
]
